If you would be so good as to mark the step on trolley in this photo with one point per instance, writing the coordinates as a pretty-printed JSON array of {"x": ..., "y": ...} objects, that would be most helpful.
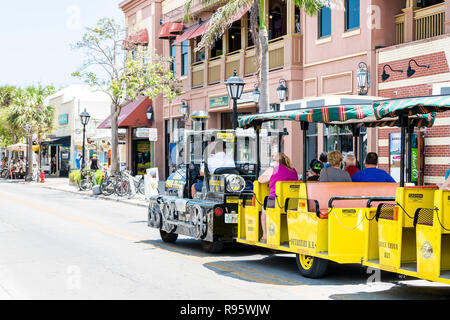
[{"x": 397, "y": 227}]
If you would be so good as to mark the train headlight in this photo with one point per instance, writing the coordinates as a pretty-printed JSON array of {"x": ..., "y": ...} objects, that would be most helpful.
[{"x": 235, "y": 183}]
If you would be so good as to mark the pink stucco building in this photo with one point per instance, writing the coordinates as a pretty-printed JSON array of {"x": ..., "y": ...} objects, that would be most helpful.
[{"x": 317, "y": 56}]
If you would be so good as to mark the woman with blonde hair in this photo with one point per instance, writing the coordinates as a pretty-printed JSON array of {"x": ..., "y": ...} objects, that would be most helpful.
[
  {"x": 334, "y": 173},
  {"x": 282, "y": 171}
]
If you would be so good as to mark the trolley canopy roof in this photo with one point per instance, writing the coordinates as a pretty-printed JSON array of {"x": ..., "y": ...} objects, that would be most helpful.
[
  {"x": 341, "y": 115},
  {"x": 411, "y": 106}
]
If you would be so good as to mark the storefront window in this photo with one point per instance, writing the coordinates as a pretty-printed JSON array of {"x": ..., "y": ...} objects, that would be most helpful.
[
  {"x": 341, "y": 139},
  {"x": 234, "y": 36},
  {"x": 277, "y": 19}
]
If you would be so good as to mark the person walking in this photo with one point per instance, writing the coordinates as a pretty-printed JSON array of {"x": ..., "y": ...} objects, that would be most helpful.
[{"x": 372, "y": 173}]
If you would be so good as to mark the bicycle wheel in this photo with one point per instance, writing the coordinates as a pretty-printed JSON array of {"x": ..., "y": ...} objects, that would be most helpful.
[
  {"x": 141, "y": 187},
  {"x": 122, "y": 187},
  {"x": 107, "y": 187}
]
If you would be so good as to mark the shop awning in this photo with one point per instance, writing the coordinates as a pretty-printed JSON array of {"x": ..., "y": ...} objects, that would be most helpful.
[
  {"x": 170, "y": 30},
  {"x": 17, "y": 147},
  {"x": 340, "y": 115},
  {"x": 138, "y": 38},
  {"x": 200, "y": 28},
  {"x": 131, "y": 115},
  {"x": 57, "y": 140},
  {"x": 411, "y": 106}
]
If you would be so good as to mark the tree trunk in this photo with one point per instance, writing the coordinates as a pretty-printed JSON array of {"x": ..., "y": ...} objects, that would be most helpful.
[
  {"x": 115, "y": 159},
  {"x": 264, "y": 98}
]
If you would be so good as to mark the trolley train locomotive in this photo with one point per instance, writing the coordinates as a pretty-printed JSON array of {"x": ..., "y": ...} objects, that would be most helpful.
[{"x": 211, "y": 214}]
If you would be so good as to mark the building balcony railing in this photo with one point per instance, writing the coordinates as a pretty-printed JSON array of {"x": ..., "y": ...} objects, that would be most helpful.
[
  {"x": 218, "y": 69},
  {"x": 428, "y": 22}
]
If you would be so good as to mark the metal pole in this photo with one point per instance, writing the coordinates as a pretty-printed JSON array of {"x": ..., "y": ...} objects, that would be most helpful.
[
  {"x": 403, "y": 123},
  {"x": 234, "y": 114},
  {"x": 408, "y": 156},
  {"x": 84, "y": 133},
  {"x": 258, "y": 155},
  {"x": 304, "y": 126}
]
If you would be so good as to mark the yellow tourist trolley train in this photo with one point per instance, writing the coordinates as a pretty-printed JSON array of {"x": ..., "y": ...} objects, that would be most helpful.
[{"x": 400, "y": 228}]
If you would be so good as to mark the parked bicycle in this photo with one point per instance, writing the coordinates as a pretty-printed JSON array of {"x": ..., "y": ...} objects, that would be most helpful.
[
  {"x": 132, "y": 185},
  {"x": 87, "y": 180}
]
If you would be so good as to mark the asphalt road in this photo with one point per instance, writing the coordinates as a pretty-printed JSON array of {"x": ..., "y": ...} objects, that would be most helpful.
[{"x": 59, "y": 245}]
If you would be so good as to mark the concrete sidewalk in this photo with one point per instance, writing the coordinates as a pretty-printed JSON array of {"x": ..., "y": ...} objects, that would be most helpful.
[{"x": 62, "y": 184}]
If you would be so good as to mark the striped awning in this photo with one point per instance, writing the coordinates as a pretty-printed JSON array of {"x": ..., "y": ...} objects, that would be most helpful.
[
  {"x": 412, "y": 106},
  {"x": 336, "y": 115},
  {"x": 343, "y": 115}
]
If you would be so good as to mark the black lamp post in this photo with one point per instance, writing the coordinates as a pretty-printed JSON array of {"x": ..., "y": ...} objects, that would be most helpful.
[
  {"x": 235, "y": 86},
  {"x": 27, "y": 128},
  {"x": 282, "y": 91},
  {"x": 84, "y": 116},
  {"x": 149, "y": 114},
  {"x": 256, "y": 94},
  {"x": 363, "y": 77}
]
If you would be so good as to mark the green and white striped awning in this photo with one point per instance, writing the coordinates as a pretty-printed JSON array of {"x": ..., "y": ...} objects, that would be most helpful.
[
  {"x": 411, "y": 106},
  {"x": 342, "y": 114}
]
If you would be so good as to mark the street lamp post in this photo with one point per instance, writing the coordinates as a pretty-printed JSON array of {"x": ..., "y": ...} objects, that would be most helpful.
[
  {"x": 84, "y": 116},
  {"x": 29, "y": 161},
  {"x": 235, "y": 86}
]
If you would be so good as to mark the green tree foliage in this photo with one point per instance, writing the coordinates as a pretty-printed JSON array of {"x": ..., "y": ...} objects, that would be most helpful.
[
  {"x": 124, "y": 76},
  {"x": 19, "y": 107}
]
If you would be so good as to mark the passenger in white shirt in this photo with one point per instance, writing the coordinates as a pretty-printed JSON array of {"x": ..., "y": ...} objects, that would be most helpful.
[{"x": 218, "y": 158}]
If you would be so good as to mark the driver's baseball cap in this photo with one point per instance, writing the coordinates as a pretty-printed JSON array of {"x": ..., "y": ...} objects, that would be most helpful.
[{"x": 316, "y": 166}]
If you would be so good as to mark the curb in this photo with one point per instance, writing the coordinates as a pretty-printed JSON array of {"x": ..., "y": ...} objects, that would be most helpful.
[{"x": 97, "y": 196}]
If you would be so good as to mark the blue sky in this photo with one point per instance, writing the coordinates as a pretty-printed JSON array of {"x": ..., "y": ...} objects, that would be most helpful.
[{"x": 36, "y": 38}]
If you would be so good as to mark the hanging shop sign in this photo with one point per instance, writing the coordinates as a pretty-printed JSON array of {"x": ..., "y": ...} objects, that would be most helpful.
[{"x": 63, "y": 119}]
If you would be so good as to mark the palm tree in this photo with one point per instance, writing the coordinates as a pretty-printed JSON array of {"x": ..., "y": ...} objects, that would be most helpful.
[{"x": 224, "y": 17}]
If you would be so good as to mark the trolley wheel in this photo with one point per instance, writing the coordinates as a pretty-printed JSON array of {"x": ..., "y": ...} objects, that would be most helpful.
[
  {"x": 168, "y": 237},
  {"x": 212, "y": 247},
  {"x": 311, "y": 267}
]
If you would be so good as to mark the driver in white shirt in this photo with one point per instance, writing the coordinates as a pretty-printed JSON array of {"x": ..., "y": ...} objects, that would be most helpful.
[{"x": 218, "y": 158}]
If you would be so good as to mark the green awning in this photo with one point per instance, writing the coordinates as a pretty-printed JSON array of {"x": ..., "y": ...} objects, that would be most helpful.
[
  {"x": 343, "y": 114},
  {"x": 419, "y": 121},
  {"x": 412, "y": 106}
]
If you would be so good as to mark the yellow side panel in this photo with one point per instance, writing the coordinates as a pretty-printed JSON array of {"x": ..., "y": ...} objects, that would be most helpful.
[
  {"x": 346, "y": 236},
  {"x": 307, "y": 233},
  {"x": 389, "y": 242},
  {"x": 252, "y": 224},
  {"x": 412, "y": 199},
  {"x": 273, "y": 219},
  {"x": 428, "y": 251}
]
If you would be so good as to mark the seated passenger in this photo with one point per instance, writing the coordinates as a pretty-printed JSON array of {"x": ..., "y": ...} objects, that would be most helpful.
[
  {"x": 334, "y": 173},
  {"x": 282, "y": 171},
  {"x": 315, "y": 167},
  {"x": 350, "y": 164},
  {"x": 372, "y": 173},
  {"x": 324, "y": 159},
  {"x": 217, "y": 158}
]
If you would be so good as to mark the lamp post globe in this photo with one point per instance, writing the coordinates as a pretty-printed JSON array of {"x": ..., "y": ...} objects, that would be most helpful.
[
  {"x": 235, "y": 86},
  {"x": 282, "y": 91},
  {"x": 362, "y": 76}
]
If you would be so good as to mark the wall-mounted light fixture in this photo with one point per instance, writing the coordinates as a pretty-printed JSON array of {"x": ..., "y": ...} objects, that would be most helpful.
[
  {"x": 363, "y": 77},
  {"x": 411, "y": 71},
  {"x": 184, "y": 108},
  {"x": 386, "y": 75},
  {"x": 282, "y": 91}
]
